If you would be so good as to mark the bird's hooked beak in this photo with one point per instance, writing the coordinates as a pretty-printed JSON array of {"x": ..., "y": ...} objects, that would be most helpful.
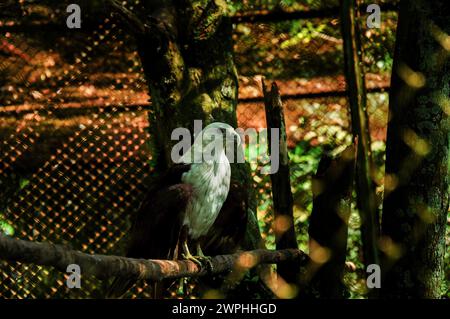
[
  {"x": 233, "y": 145},
  {"x": 237, "y": 138},
  {"x": 224, "y": 138},
  {"x": 231, "y": 136}
]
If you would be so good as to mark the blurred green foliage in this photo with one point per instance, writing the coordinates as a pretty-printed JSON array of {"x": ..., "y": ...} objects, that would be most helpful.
[
  {"x": 306, "y": 48},
  {"x": 239, "y": 6},
  {"x": 5, "y": 227}
]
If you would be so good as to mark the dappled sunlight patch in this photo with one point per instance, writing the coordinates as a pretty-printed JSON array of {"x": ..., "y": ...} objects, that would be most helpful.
[
  {"x": 414, "y": 79},
  {"x": 281, "y": 288},
  {"x": 246, "y": 261},
  {"x": 419, "y": 145},
  {"x": 318, "y": 254},
  {"x": 390, "y": 248},
  {"x": 281, "y": 224}
]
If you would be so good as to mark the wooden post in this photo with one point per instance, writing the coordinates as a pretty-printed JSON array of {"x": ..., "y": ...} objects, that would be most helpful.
[
  {"x": 365, "y": 190},
  {"x": 281, "y": 186},
  {"x": 332, "y": 192}
]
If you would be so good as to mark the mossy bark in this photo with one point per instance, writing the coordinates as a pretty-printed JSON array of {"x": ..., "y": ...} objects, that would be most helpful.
[
  {"x": 188, "y": 62},
  {"x": 416, "y": 184}
]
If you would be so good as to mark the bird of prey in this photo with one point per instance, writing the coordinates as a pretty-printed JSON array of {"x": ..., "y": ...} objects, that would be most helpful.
[{"x": 192, "y": 204}]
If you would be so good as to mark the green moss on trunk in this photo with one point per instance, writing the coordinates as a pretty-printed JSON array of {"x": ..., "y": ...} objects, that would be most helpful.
[{"x": 189, "y": 67}]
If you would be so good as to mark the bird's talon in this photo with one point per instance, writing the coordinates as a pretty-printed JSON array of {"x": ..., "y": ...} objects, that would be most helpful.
[
  {"x": 201, "y": 261},
  {"x": 193, "y": 259}
]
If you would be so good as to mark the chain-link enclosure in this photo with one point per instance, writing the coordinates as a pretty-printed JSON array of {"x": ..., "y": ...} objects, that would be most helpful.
[{"x": 74, "y": 152}]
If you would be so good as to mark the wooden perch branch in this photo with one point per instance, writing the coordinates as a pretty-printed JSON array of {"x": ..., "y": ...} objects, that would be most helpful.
[{"x": 105, "y": 267}]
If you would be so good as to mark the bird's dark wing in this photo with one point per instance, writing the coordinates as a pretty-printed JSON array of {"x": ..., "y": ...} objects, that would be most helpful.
[
  {"x": 171, "y": 176},
  {"x": 228, "y": 230},
  {"x": 159, "y": 217},
  {"x": 158, "y": 223},
  {"x": 155, "y": 232}
]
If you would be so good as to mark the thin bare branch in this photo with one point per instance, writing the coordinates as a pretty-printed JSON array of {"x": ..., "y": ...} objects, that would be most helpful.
[{"x": 131, "y": 20}]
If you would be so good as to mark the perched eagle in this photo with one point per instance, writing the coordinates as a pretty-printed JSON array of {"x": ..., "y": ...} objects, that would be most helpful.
[{"x": 192, "y": 204}]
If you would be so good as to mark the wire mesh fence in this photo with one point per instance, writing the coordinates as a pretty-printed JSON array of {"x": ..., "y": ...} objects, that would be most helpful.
[{"x": 74, "y": 154}]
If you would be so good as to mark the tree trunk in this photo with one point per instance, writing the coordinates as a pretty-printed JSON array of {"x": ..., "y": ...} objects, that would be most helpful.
[
  {"x": 187, "y": 57},
  {"x": 416, "y": 183},
  {"x": 188, "y": 62},
  {"x": 332, "y": 191}
]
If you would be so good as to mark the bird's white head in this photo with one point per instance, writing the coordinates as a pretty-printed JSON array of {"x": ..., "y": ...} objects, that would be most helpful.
[
  {"x": 221, "y": 132},
  {"x": 212, "y": 143}
]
